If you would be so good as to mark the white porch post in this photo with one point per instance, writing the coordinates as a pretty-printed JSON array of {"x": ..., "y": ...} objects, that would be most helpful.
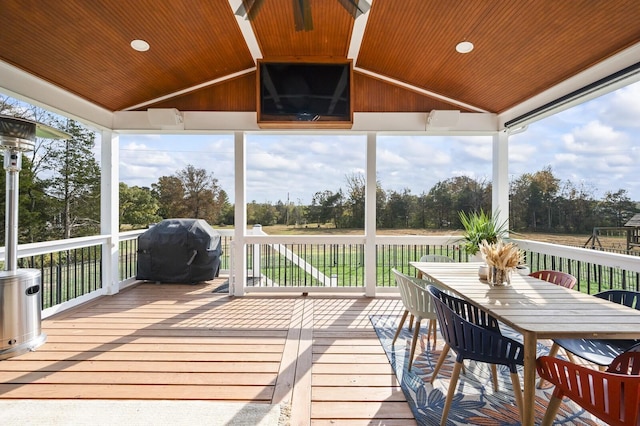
[
  {"x": 500, "y": 185},
  {"x": 109, "y": 210},
  {"x": 238, "y": 273},
  {"x": 370, "y": 271}
]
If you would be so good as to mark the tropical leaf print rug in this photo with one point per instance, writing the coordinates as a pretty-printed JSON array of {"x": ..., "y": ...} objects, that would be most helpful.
[{"x": 475, "y": 402}]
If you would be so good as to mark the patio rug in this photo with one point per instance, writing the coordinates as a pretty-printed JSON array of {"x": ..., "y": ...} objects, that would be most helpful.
[{"x": 475, "y": 401}]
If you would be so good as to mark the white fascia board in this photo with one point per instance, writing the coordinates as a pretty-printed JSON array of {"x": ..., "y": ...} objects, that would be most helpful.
[
  {"x": 23, "y": 86},
  {"x": 221, "y": 120},
  {"x": 193, "y": 122},
  {"x": 247, "y": 31},
  {"x": 389, "y": 121},
  {"x": 601, "y": 70},
  {"x": 470, "y": 123},
  {"x": 357, "y": 33},
  {"x": 224, "y": 121}
]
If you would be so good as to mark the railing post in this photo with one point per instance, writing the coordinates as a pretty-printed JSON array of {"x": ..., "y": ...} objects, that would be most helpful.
[
  {"x": 256, "y": 258},
  {"x": 500, "y": 181},
  {"x": 238, "y": 275},
  {"x": 370, "y": 264},
  {"x": 110, "y": 212}
]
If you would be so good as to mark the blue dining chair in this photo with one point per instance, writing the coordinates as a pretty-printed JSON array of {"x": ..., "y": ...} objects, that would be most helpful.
[
  {"x": 475, "y": 335},
  {"x": 599, "y": 351}
]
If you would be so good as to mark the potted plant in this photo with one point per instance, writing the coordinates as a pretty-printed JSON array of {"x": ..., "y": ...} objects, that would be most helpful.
[{"x": 478, "y": 227}]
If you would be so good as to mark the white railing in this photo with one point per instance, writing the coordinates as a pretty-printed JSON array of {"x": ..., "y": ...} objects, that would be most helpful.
[
  {"x": 612, "y": 260},
  {"x": 71, "y": 270},
  {"x": 595, "y": 269},
  {"x": 281, "y": 248},
  {"x": 37, "y": 249}
]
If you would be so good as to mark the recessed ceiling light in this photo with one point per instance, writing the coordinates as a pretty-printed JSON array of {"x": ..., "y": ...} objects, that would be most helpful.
[
  {"x": 464, "y": 47},
  {"x": 140, "y": 45}
]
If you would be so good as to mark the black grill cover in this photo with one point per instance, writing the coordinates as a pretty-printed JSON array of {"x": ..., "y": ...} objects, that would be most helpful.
[{"x": 179, "y": 251}]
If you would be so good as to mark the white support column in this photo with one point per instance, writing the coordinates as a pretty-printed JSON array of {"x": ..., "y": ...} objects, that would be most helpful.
[
  {"x": 109, "y": 209},
  {"x": 238, "y": 274},
  {"x": 370, "y": 271},
  {"x": 500, "y": 184}
]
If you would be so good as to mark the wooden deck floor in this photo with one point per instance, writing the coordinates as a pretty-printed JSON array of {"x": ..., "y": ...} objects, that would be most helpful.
[{"x": 318, "y": 353}]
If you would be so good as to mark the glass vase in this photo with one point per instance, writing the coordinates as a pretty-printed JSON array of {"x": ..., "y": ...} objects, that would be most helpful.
[{"x": 498, "y": 276}]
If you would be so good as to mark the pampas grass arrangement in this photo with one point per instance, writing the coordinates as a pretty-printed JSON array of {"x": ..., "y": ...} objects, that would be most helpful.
[{"x": 502, "y": 258}]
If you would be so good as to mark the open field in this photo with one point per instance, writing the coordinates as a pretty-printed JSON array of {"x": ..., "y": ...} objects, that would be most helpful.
[{"x": 576, "y": 240}]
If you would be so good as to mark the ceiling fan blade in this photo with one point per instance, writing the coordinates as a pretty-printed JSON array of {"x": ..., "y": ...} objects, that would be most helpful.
[
  {"x": 302, "y": 15},
  {"x": 355, "y": 7},
  {"x": 249, "y": 8}
]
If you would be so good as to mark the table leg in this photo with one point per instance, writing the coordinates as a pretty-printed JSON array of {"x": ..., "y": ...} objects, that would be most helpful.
[{"x": 529, "y": 384}]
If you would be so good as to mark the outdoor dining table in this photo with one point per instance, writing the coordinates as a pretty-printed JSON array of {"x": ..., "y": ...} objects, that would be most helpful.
[{"x": 538, "y": 310}]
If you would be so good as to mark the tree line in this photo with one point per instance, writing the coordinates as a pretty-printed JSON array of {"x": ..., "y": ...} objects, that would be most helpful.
[
  {"x": 538, "y": 202},
  {"x": 59, "y": 196}
]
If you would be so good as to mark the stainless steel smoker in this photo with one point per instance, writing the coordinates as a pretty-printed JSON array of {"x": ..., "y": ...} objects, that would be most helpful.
[{"x": 20, "y": 289}]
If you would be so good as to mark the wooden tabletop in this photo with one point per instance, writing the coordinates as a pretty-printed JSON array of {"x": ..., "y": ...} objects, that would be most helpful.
[{"x": 532, "y": 305}]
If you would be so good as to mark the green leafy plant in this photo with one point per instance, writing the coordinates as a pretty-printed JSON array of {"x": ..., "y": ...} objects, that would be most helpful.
[{"x": 480, "y": 226}]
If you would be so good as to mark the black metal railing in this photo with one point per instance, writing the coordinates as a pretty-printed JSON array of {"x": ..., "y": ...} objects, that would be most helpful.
[
  {"x": 73, "y": 268},
  {"x": 66, "y": 274},
  {"x": 595, "y": 270},
  {"x": 398, "y": 256},
  {"x": 305, "y": 265},
  {"x": 592, "y": 277},
  {"x": 127, "y": 259},
  {"x": 334, "y": 265}
]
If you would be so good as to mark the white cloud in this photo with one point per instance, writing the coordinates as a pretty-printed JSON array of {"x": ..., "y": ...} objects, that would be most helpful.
[
  {"x": 594, "y": 144},
  {"x": 595, "y": 138},
  {"x": 622, "y": 108},
  {"x": 419, "y": 162},
  {"x": 520, "y": 153},
  {"x": 299, "y": 166},
  {"x": 145, "y": 158}
]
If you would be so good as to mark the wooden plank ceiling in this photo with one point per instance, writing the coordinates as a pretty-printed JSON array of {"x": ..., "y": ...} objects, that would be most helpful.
[{"x": 521, "y": 49}]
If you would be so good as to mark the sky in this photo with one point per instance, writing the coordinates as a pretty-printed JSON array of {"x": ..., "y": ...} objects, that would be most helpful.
[{"x": 595, "y": 145}]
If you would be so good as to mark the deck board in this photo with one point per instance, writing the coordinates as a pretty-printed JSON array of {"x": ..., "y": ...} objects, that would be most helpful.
[{"x": 318, "y": 353}]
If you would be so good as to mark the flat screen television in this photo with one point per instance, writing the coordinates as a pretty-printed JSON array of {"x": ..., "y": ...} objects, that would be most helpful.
[{"x": 302, "y": 94}]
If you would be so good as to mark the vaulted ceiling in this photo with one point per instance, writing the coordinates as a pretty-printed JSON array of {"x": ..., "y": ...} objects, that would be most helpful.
[{"x": 202, "y": 56}]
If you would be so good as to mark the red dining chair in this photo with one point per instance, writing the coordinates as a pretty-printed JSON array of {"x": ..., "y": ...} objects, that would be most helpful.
[
  {"x": 612, "y": 395},
  {"x": 556, "y": 277}
]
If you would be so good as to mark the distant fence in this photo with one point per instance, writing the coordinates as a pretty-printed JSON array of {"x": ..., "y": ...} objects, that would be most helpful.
[{"x": 625, "y": 236}]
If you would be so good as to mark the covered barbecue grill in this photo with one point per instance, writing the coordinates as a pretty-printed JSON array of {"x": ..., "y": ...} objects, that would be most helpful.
[{"x": 179, "y": 251}]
